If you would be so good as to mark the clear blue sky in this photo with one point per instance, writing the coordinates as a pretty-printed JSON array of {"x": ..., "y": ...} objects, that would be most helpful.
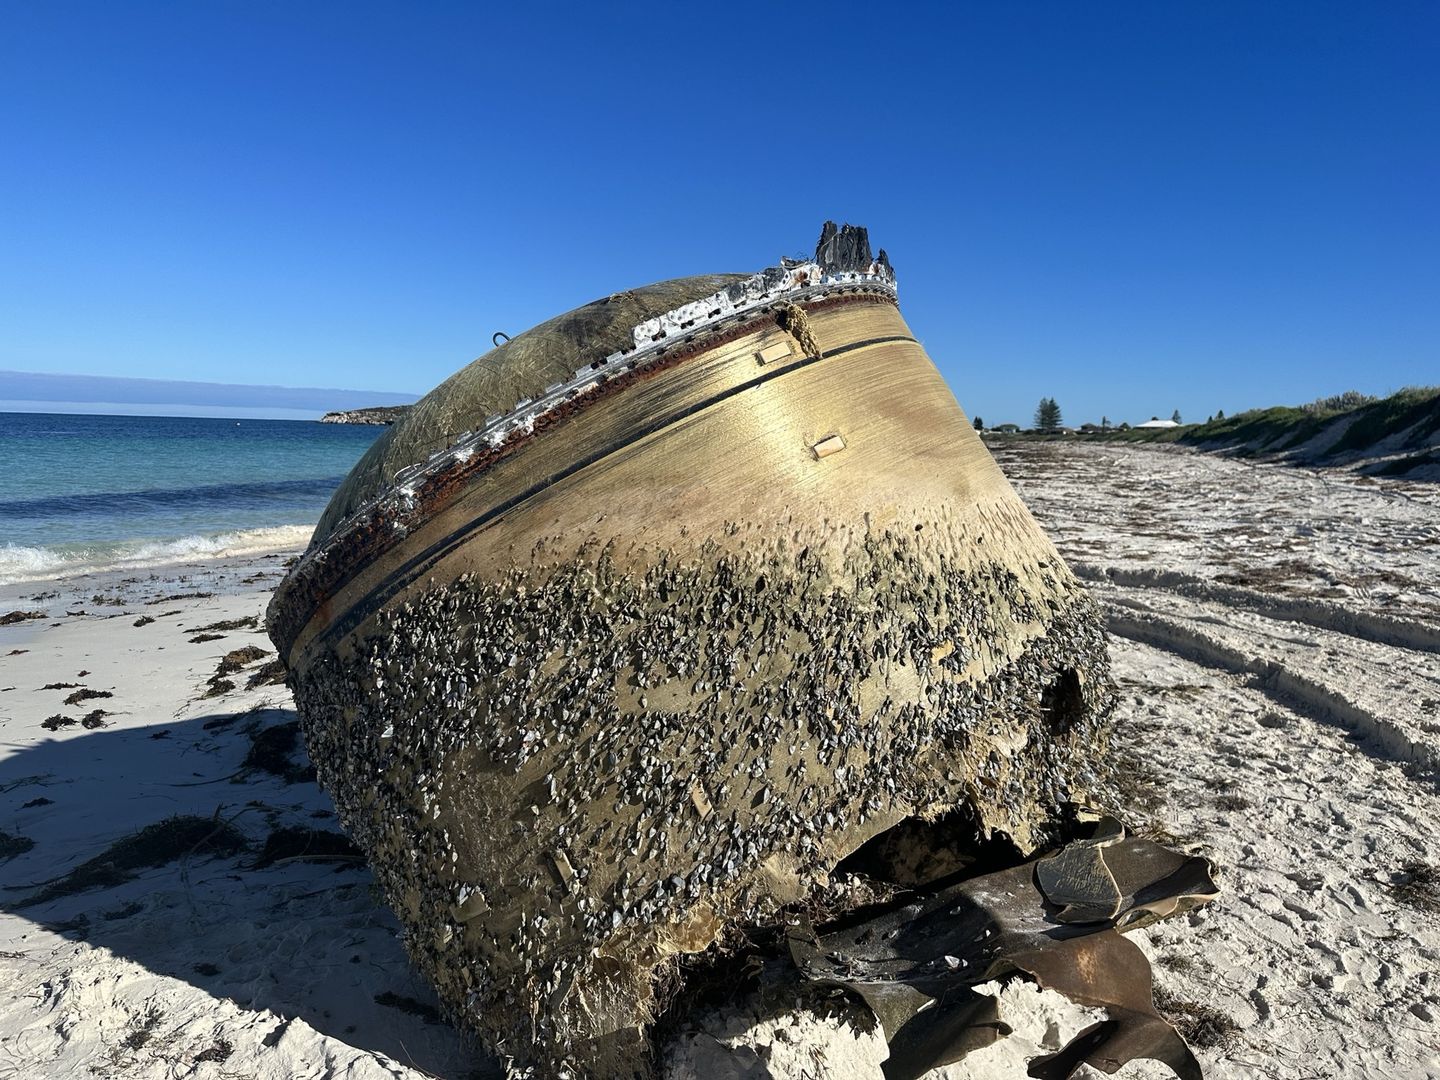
[{"x": 1131, "y": 207}]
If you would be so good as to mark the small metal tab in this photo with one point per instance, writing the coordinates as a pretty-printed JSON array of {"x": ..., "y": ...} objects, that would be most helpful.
[{"x": 770, "y": 353}]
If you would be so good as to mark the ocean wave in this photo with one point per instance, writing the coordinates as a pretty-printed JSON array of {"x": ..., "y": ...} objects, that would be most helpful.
[
  {"x": 262, "y": 493},
  {"x": 19, "y": 563}
]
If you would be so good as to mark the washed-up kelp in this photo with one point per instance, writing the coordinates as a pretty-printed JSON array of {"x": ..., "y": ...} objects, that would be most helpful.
[{"x": 638, "y": 625}]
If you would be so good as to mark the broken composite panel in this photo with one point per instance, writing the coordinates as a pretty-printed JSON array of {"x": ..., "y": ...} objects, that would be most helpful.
[{"x": 628, "y": 633}]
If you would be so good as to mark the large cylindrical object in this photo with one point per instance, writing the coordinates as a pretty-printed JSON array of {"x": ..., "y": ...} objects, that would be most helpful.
[{"x": 643, "y": 621}]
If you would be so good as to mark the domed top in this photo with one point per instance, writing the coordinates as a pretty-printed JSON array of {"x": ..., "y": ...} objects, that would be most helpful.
[{"x": 519, "y": 370}]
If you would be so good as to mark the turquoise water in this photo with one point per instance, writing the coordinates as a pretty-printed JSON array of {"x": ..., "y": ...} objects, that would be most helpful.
[{"x": 83, "y": 491}]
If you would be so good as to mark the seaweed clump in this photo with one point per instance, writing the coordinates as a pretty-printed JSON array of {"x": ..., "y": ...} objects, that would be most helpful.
[
  {"x": 177, "y": 837},
  {"x": 12, "y": 844},
  {"x": 271, "y": 751}
]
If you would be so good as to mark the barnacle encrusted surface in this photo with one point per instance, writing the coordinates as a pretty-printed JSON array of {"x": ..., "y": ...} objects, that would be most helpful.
[
  {"x": 565, "y": 776},
  {"x": 646, "y": 656}
]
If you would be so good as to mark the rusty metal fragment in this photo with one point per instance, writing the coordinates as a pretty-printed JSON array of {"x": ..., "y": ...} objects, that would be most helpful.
[{"x": 916, "y": 963}]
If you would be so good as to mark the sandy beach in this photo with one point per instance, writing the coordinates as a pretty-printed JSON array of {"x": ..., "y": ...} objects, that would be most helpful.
[{"x": 1276, "y": 641}]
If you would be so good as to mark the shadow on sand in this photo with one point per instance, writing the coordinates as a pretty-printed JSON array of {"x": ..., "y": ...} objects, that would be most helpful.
[{"x": 302, "y": 939}]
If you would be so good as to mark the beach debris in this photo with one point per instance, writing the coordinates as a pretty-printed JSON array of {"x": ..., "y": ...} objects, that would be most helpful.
[
  {"x": 12, "y": 844},
  {"x": 12, "y": 617},
  {"x": 125, "y": 911},
  {"x": 236, "y": 659},
  {"x": 144, "y": 1030},
  {"x": 296, "y": 842},
  {"x": 1417, "y": 884},
  {"x": 178, "y": 596},
  {"x": 86, "y": 694},
  {"x": 622, "y": 639},
  {"x": 178, "y": 837},
  {"x": 271, "y": 673},
  {"x": 408, "y": 1005},
  {"x": 56, "y": 722},
  {"x": 271, "y": 750},
  {"x": 60, "y": 686},
  {"x": 144, "y": 620},
  {"x": 201, "y": 639},
  {"x": 217, "y": 1052},
  {"x": 248, "y": 622},
  {"x": 41, "y": 801},
  {"x": 94, "y": 719},
  {"x": 1198, "y": 1024},
  {"x": 1056, "y": 920}
]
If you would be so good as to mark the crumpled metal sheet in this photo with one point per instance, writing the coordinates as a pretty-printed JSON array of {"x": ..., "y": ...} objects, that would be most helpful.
[{"x": 1056, "y": 919}]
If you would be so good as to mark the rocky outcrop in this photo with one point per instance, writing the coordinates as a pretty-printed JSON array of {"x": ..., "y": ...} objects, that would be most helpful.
[{"x": 380, "y": 414}]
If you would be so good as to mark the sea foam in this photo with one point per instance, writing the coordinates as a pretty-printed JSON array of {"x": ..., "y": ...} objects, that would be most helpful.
[{"x": 20, "y": 563}]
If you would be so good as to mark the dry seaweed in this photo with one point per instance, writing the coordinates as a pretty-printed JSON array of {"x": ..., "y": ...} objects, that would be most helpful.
[
  {"x": 236, "y": 659},
  {"x": 11, "y": 617},
  {"x": 271, "y": 749},
  {"x": 221, "y": 1051},
  {"x": 144, "y": 1031},
  {"x": 1418, "y": 885},
  {"x": 249, "y": 622},
  {"x": 408, "y": 1005},
  {"x": 164, "y": 842},
  {"x": 87, "y": 695},
  {"x": 272, "y": 673},
  {"x": 1200, "y": 1025},
  {"x": 12, "y": 845},
  {"x": 298, "y": 842}
]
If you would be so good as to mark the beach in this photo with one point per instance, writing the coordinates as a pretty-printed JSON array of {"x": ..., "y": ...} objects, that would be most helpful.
[{"x": 1275, "y": 634}]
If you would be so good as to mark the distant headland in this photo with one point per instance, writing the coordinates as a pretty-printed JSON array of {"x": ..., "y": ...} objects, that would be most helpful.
[{"x": 379, "y": 414}]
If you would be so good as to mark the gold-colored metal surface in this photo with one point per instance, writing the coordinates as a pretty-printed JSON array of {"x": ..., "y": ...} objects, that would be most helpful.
[{"x": 663, "y": 666}]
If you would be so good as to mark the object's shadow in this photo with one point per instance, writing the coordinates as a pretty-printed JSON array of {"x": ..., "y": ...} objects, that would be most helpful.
[{"x": 306, "y": 939}]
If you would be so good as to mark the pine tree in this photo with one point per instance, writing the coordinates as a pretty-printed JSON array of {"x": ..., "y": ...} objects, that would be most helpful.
[
  {"x": 1104, "y": 423},
  {"x": 1176, "y": 416},
  {"x": 979, "y": 424},
  {"x": 1047, "y": 416}
]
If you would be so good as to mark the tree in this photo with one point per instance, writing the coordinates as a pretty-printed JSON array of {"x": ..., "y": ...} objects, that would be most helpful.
[
  {"x": 1220, "y": 415},
  {"x": 979, "y": 424},
  {"x": 1104, "y": 423},
  {"x": 1047, "y": 415},
  {"x": 1175, "y": 416}
]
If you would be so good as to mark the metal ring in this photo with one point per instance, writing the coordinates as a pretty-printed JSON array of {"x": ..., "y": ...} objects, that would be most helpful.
[{"x": 495, "y": 338}]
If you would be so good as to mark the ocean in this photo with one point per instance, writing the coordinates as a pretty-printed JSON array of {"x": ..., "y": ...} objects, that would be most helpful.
[{"x": 81, "y": 492}]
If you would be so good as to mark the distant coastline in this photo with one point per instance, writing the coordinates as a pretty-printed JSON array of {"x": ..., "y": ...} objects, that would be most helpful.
[
  {"x": 1396, "y": 436},
  {"x": 380, "y": 414}
]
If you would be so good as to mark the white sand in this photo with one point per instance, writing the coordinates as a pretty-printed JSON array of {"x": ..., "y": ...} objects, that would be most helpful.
[
  {"x": 274, "y": 971},
  {"x": 1278, "y": 649}
]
